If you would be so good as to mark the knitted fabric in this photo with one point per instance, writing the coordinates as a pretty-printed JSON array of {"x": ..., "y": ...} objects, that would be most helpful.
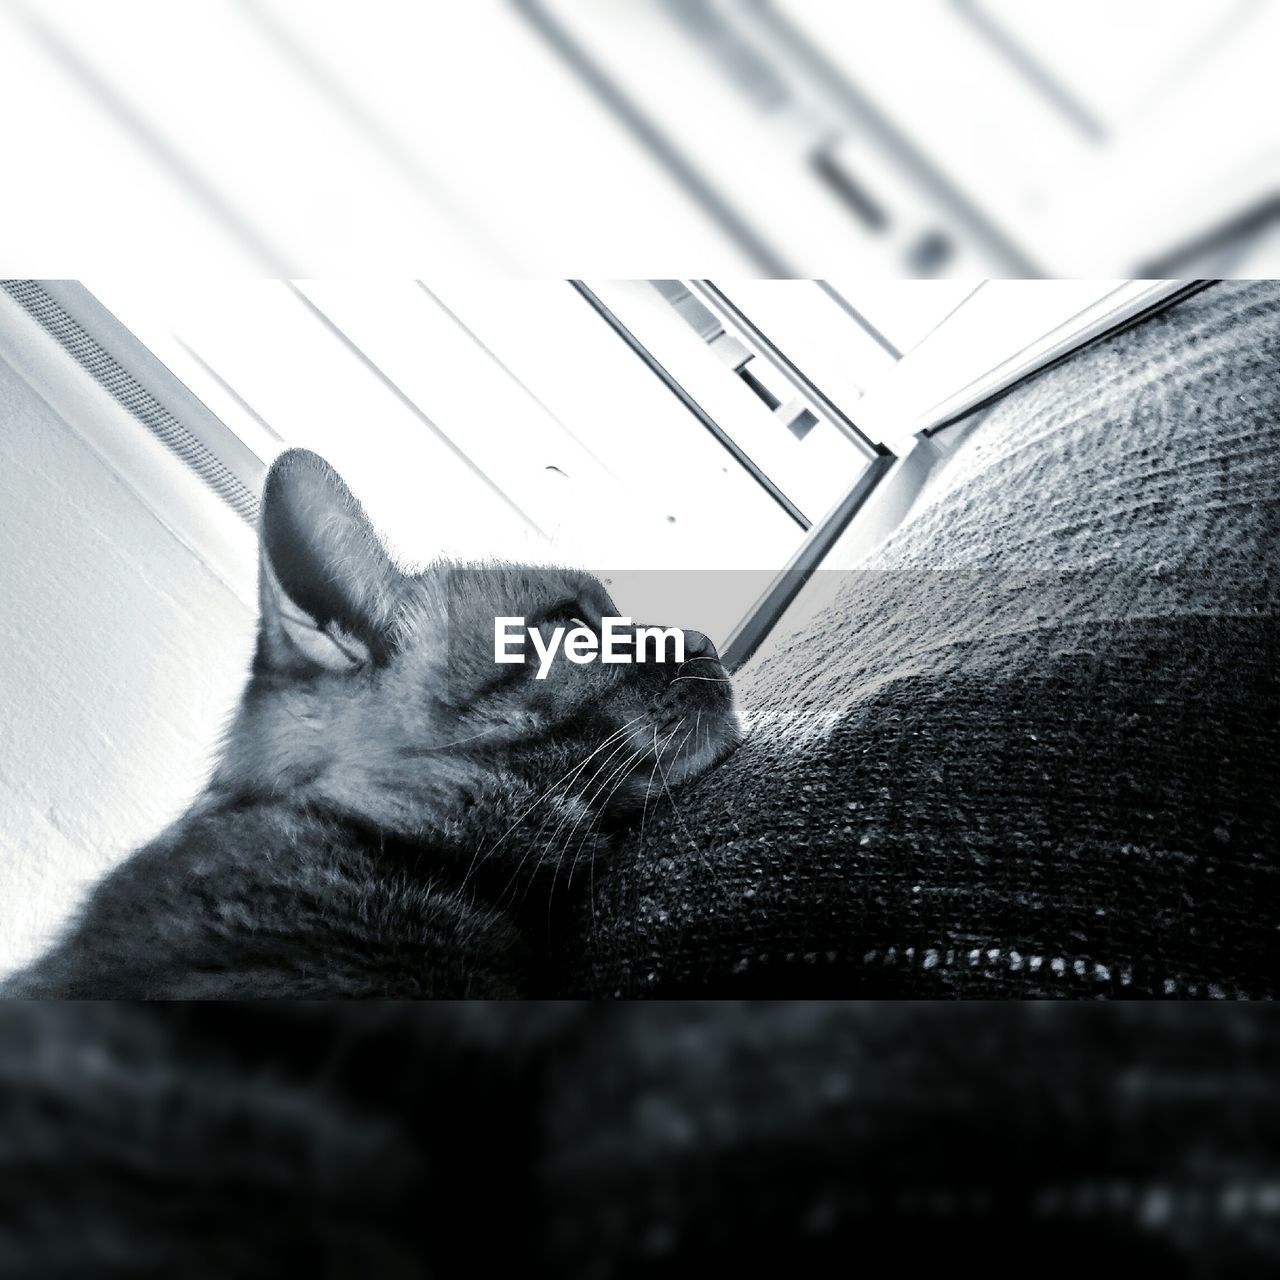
[{"x": 1030, "y": 745}]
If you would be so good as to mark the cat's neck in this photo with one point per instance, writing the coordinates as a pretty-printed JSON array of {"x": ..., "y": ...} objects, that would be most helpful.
[
  {"x": 492, "y": 850},
  {"x": 321, "y": 748},
  {"x": 322, "y": 752},
  {"x": 454, "y": 806}
]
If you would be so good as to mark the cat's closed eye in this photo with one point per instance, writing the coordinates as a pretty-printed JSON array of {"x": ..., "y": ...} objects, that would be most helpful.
[{"x": 571, "y": 613}]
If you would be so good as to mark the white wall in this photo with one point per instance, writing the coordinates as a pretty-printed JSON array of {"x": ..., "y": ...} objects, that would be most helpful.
[{"x": 121, "y": 654}]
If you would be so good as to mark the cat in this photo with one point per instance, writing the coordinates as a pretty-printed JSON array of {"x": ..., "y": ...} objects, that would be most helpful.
[{"x": 392, "y": 812}]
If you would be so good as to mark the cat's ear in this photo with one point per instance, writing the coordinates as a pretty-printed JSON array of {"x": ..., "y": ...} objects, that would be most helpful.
[{"x": 327, "y": 588}]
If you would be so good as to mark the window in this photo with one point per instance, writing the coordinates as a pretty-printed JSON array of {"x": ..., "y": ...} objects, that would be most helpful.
[
  {"x": 951, "y": 138},
  {"x": 700, "y": 444}
]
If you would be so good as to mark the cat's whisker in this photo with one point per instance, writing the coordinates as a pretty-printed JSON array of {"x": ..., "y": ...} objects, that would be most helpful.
[
  {"x": 566, "y": 779},
  {"x": 701, "y": 658},
  {"x": 482, "y": 855},
  {"x": 591, "y": 888},
  {"x": 622, "y": 773},
  {"x": 675, "y": 755},
  {"x": 550, "y": 845},
  {"x": 598, "y": 805},
  {"x": 657, "y": 755},
  {"x": 680, "y": 818},
  {"x": 457, "y": 742},
  {"x": 582, "y": 795}
]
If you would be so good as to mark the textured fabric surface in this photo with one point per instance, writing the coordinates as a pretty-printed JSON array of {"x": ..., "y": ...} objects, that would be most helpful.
[
  {"x": 639, "y": 1139},
  {"x": 1030, "y": 746},
  {"x": 811, "y": 1138}
]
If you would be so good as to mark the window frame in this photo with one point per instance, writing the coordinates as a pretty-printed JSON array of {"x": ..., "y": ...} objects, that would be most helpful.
[{"x": 893, "y": 441}]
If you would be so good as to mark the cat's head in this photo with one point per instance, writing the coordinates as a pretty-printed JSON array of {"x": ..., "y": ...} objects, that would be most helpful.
[{"x": 377, "y": 693}]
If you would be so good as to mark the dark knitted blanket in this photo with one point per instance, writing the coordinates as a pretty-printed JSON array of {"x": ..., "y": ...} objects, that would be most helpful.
[
  {"x": 1031, "y": 745},
  {"x": 637, "y": 1140}
]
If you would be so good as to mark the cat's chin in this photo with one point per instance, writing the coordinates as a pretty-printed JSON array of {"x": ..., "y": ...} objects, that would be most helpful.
[{"x": 720, "y": 743}]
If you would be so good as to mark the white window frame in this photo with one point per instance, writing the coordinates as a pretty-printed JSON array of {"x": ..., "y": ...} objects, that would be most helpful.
[{"x": 912, "y": 401}]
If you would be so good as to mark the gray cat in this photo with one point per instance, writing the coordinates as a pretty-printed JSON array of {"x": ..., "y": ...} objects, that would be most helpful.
[{"x": 393, "y": 812}]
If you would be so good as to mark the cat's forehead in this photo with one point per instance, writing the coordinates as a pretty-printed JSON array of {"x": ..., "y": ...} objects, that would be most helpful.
[{"x": 457, "y": 591}]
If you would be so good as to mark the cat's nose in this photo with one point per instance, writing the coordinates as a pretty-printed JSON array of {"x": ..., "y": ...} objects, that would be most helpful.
[{"x": 697, "y": 645}]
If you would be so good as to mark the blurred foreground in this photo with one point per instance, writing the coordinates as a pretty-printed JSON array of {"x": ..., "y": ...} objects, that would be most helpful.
[{"x": 599, "y": 1141}]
